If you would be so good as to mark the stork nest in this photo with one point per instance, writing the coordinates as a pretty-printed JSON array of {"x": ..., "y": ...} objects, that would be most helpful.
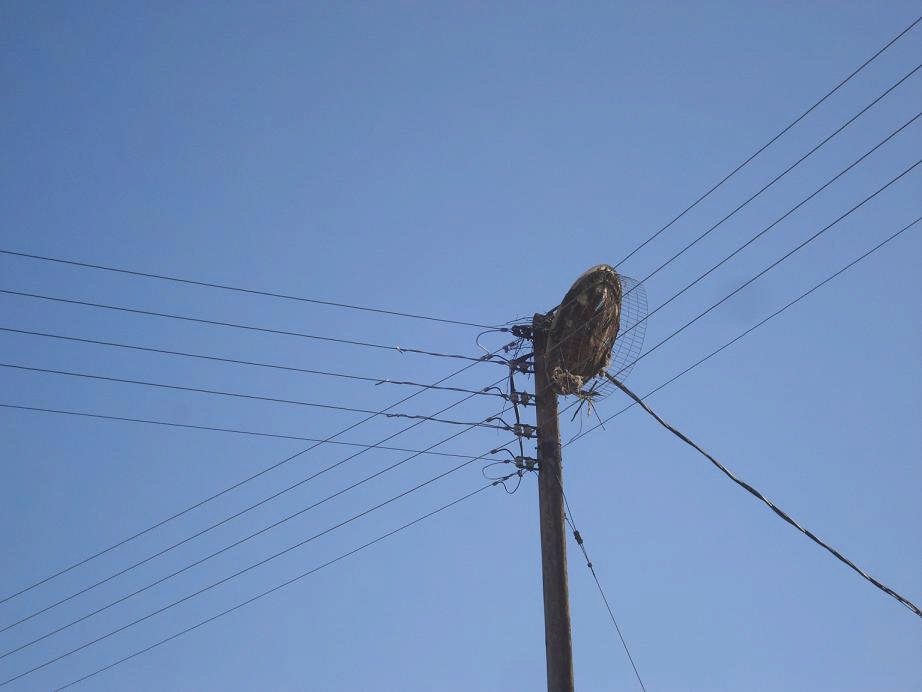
[{"x": 583, "y": 330}]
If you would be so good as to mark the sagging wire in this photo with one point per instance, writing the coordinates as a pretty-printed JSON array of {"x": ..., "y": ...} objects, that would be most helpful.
[
  {"x": 758, "y": 495},
  {"x": 523, "y": 465},
  {"x": 577, "y": 536}
]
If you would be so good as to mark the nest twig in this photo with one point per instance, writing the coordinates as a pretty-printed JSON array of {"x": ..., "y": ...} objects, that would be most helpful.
[{"x": 583, "y": 330}]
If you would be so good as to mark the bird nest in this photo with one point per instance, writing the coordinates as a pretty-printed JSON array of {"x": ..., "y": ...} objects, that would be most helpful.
[{"x": 583, "y": 330}]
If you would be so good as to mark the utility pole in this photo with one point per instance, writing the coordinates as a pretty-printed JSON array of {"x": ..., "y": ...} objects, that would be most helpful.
[{"x": 557, "y": 642}]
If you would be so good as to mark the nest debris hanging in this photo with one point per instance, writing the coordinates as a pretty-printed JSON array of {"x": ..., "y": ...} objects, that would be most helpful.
[{"x": 583, "y": 329}]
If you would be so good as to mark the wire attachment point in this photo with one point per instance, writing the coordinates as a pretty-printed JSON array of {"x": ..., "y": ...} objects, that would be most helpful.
[
  {"x": 523, "y": 331},
  {"x": 524, "y": 430},
  {"x": 526, "y": 463},
  {"x": 523, "y": 398}
]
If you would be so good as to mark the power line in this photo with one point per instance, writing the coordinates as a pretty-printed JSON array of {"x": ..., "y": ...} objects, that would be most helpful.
[
  {"x": 257, "y": 564},
  {"x": 751, "y": 329},
  {"x": 236, "y": 361},
  {"x": 577, "y": 536},
  {"x": 237, "y": 289},
  {"x": 251, "y": 507},
  {"x": 758, "y": 495},
  {"x": 763, "y": 232},
  {"x": 788, "y": 170},
  {"x": 764, "y": 188},
  {"x": 781, "y": 218},
  {"x": 253, "y": 397},
  {"x": 286, "y": 583},
  {"x": 232, "y": 545},
  {"x": 772, "y": 140},
  {"x": 247, "y": 327},
  {"x": 225, "y": 490},
  {"x": 209, "y": 428},
  {"x": 779, "y": 260}
]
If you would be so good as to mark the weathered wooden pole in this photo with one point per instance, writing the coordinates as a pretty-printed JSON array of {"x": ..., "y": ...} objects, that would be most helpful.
[{"x": 558, "y": 645}]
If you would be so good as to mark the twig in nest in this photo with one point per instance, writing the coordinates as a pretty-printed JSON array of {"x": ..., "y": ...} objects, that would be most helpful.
[{"x": 588, "y": 398}]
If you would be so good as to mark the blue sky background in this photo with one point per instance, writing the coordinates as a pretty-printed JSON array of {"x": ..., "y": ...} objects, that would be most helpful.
[{"x": 468, "y": 161}]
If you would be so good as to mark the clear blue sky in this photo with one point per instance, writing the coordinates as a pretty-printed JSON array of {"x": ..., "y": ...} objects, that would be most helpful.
[{"x": 470, "y": 161}]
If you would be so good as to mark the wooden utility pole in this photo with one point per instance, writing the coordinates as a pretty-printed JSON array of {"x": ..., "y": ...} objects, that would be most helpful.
[{"x": 558, "y": 646}]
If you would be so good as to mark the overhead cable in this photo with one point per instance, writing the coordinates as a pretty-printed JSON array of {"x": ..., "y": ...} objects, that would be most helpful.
[
  {"x": 774, "y": 139},
  {"x": 787, "y": 170},
  {"x": 778, "y": 261},
  {"x": 580, "y": 542},
  {"x": 210, "y": 428},
  {"x": 237, "y": 289},
  {"x": 260, "y": 595},
  {"x": 247, "y": 327},
  {"x": 238, "y": 542},
  {"x": 247, "y": 509},
  {"x": 236, "y": 361},
  {"x": 225, "y": 490},
  {"x": 238, "y": 395},
  {"x": 781, "y": 218},
  {"x": 757, "y": 494}
]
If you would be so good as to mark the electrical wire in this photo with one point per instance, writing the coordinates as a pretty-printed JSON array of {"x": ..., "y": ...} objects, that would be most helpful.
[
  {"x": 577, "y": 536},
  {"x": 253, "y": 566},
  {"x": 252, "y": 397},
  {"x": 236, "y": 361},
  {"x": 770, "y": 226},
  {"x": 776, "y": 178},
  {"x": 758, "y": 495},
  {"x": 247, "y": 327},
  {"x": 283, "y": 584},
  {"x": 787, "y": 170},
  {"x": 209, "y": 428},
  {"x": 765, "y": 146},
  {"x": 249, "y": 508},
  {"x": 776, "y": 262},
  {"x": 223, "y": 491},
  {"x": 236, "y": 543},
  {"x": 237, "y": 289},
  {"x": 790, "y": 211}
]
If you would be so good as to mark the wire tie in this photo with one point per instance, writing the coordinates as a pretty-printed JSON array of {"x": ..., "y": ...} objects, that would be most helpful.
[{"x": 579, "y": 539}]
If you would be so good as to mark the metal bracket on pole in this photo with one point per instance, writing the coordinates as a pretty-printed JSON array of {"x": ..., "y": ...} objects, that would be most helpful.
[
  {"x": 526, "y": 463},
  {"x": 523, "y": 398},
  {"x": 524, "y": 430}
]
